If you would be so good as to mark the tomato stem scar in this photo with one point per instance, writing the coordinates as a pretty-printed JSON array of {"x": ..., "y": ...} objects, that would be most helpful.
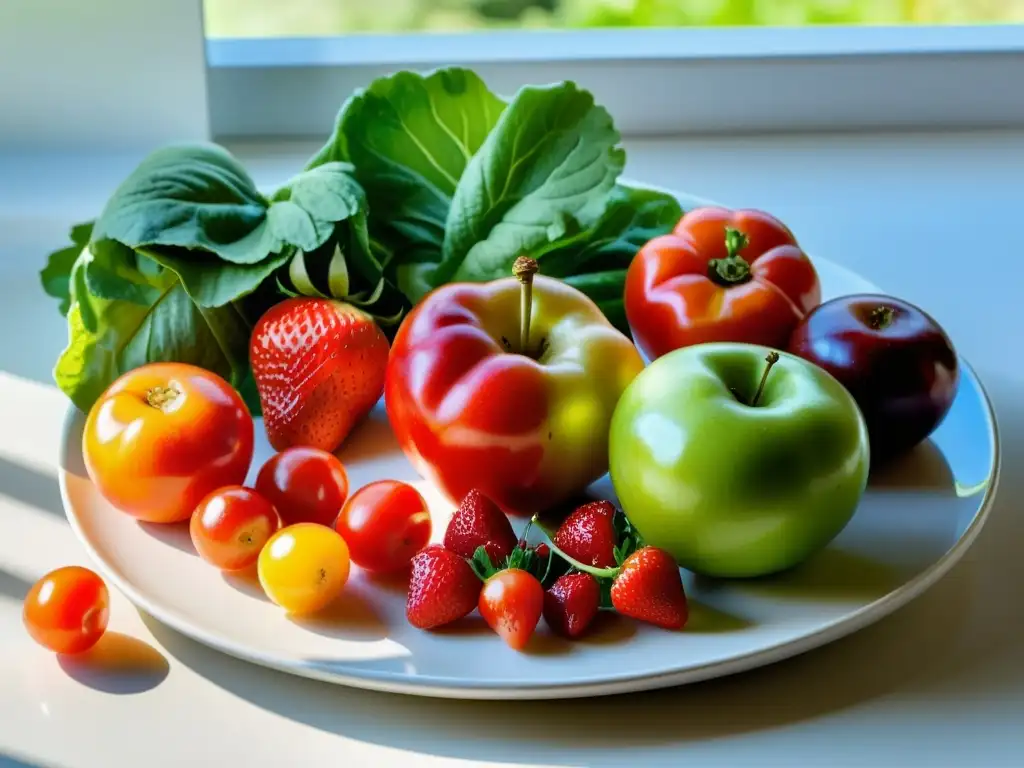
[{"x": 161, "y": 397}]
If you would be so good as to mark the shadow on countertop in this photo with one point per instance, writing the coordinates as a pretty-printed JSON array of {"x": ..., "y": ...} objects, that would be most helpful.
[
  {"x": 30, "y": 486},
  {"x": 7, "y": 761}
]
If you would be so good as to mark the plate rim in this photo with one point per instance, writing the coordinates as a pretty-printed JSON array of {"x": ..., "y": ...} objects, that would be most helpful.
[
  {"x": 388, "y": 681},
  {"x": 395, "y": 682}
]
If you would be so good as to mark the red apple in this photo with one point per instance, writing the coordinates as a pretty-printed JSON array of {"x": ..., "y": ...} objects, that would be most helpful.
[{"x": 894, "y": 358}]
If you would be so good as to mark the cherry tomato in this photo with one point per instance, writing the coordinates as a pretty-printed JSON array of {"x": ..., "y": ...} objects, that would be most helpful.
[
  {"x": 67, "y": 610},
  {"x": 384, "y": 524},
  {"x": 306, "y": 485},
  {"x": 303, "y": 567},
  {"x": 511, "y": 602},
  {"x": 231, "y": 525},
  {"x": 165, "y": 435}
]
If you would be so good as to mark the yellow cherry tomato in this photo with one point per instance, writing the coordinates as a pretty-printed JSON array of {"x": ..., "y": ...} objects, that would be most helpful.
[{"x": 303, "y": 567}]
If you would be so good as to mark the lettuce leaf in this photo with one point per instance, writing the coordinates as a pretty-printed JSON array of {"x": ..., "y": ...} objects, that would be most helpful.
[
  {"x": 543, "y": 173},
  {"x": 108, "y": 337},
  {"x": 410, "y": 137},
  {"x": 56, "y": 275}
]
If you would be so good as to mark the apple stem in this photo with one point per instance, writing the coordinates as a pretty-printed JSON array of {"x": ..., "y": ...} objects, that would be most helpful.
[
  {"x": 772, "y": 358},
  {"x": 733, "y": 269},
  {"x": 881, "y": 317},
  {"x": 524, "y": 269}
]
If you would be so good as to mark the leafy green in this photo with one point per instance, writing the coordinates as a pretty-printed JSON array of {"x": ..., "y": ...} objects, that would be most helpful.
[
  {"x": 632, "y": 217},
  {"x": 193, "y": 209},
  {"x": 108, "y": 337},
  {"x": 195, "y": 196},
  {"x": 345, "y": 268},
  {"x": 410, "y": 137},
  {"x": 543, "y": 173},
  {"x": 595, "y": 261},
  {"x": 213, "y": 283},
  {"x": 426, "y": 178},
  {"x": 56, "y": 275}
]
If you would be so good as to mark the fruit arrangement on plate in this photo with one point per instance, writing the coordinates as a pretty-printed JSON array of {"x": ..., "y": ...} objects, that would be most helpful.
[{"x": 532, "y": 325}]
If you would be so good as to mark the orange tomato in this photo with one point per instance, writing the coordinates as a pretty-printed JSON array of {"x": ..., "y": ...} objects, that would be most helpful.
[
  {"x": 67, "y": 610},
  {"x": 165, "y": 435}
]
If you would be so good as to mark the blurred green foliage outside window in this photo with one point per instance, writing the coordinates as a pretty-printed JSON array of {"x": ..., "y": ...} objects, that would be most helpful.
[{"x": 313, "y": 18}]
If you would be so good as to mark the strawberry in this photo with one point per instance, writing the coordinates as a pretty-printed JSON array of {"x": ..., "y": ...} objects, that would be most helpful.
[
  {"x": 479, "y": 522},
  {"x": 319, "y": 368},
  {"x": 571, "y": 603},
  {"x": 648, "y": 587},
  {"x": 442, "y": 588},
  {"x": 511, "y": 603},
  {"x": 588, "y": 534}
]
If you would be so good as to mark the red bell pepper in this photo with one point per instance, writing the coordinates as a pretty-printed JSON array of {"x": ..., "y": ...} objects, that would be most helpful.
[
  {"x": 518, "y": 410},
  {"x": 720, "y": 275}
]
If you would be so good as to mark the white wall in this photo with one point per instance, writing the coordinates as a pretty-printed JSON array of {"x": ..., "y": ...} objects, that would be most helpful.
[{"x": 101, "y": 74}]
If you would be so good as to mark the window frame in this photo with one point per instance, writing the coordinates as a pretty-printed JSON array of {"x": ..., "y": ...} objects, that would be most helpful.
[
  {"x": 653, "y": 81},
  {"x": 73, "y": 90}
]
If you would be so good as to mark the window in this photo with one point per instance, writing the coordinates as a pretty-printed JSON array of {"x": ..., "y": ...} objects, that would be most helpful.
[
  {"x": 283, "y": 67},
  {"x": 317, "y": 18},
  {"x": 660, "y": 66}
]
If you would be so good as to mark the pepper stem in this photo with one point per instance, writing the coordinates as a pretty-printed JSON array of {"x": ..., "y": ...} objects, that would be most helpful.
[
  {"x": 524, "y": 269},
  {"x": 733, "y": 269},
  {"x": 772, "y": 358}
]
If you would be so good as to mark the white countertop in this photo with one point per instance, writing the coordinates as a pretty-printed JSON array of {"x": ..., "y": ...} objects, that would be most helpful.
[{"x": 933, "y": 218}]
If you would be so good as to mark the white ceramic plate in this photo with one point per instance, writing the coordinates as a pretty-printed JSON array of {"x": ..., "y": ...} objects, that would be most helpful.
[{"x": 913, "y": 524}]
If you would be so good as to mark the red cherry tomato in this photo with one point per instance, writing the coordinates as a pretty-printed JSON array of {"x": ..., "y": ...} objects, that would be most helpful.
[
  {"x": 306, "y": 485},
  {"x": 231, "y": 525},
  {"x": 67, "y": 610},
  {"x": 384, "y": 524}
]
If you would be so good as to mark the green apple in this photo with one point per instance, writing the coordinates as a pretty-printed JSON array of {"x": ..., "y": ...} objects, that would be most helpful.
[{"x": 737, "y": 459}]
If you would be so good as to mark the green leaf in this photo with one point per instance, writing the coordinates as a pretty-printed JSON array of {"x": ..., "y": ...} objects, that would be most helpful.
[
  {"x": 410, "y": 138},
  {"x": 595, "y": 261},
  {"x": 56, "y": 275},
  {"x": 194, "y": 196},
  {"x": 345, "y": 268},
  {"x": 212, "y": 283},
  {"x": 543, "y": 173},
  {"x": 481, "y": 563},
  {"x": 328, "y": 192},
  {"x": 108, "y": 337},
  {"x": 599, "y": 286},
  {"x": 113, "y": 271},
  {"x": 632, "y": 217}
]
